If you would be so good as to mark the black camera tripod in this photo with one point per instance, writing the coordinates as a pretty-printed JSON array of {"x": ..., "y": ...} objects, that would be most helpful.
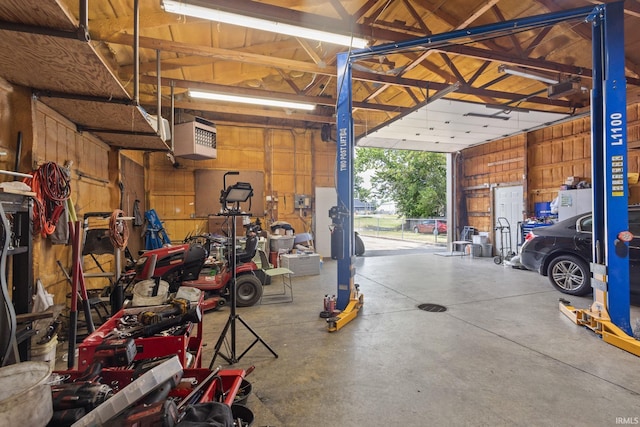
[{"x": 231, "y": 358}]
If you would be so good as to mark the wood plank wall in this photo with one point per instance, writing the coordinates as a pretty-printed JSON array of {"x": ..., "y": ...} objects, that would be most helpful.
[
  {"x": 480, "y": 169},
  {"x": 49, "y": 137},
  {"x": 93, "y": 189},
  {"x": 552, "y": 154},
  {"x": 293, "y": 162}
]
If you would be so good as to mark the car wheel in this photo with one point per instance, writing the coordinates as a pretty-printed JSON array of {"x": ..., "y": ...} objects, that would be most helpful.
[
  {"x": 359, "y": 249},
  {"x": 248, "y": 290},
  {"x": 415, "y": 229},
  {"x": 570, "y": 275}
]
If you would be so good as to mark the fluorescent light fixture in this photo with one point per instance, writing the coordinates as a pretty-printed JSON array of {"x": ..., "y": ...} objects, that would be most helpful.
[
  {"x": 182, "y": 8},
  {"x": 444, "y": 92},
  {"x": 522, "y": 72},
  {"x": 266, "y": 102}
]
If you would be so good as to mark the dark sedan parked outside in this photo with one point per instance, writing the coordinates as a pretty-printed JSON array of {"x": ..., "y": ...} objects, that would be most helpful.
[{"x": 562, "y": 252}]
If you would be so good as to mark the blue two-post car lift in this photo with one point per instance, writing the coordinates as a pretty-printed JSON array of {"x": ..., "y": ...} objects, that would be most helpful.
[{"x": 609, "y": 314}]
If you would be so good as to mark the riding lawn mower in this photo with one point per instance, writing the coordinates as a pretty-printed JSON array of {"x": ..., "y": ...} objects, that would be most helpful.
[{"x": 186, "y": 265}]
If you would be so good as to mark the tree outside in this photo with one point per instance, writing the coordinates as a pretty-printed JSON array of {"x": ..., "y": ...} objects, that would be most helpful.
[{"x": 414, "y": 180}]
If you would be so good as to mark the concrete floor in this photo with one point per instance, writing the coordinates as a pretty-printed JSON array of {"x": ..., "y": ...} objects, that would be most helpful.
[{"x": 502, "y": 353}]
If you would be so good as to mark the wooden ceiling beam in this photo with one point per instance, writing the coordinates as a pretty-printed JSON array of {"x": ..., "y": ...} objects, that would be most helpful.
[
  {"x": 453, "y": 68},
  {"x": 514, "y": 40},
  {"x": 537, "y": 64},
  {"x": 452, "y": 21},
  {"x": 287, "y": 64},
  {"x": 376, "y": 78},
  {"x": 318, "y": 100},
  {"x": 337, "y": 5},
  {"x": 312, "y": 53},
  {"x": 488, "y": 4},
  {"x": 225, "y": 54},
  {"x": 465, "y": 90},
  {"x": 584, "y": 31},
  {"x": 100, "y": 29},
  {"x": 290, "y": 82},
  {"x": 479, "y": 72},
  {"x": 536, "y": 41},
  {"x": 364, "y": 9},
  {"x": 417, "y": 17},
  {"x": 330, "y": 70}
]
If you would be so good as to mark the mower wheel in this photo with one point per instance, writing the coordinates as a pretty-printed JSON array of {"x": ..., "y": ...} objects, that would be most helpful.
[{"x": 248, "y": 290}]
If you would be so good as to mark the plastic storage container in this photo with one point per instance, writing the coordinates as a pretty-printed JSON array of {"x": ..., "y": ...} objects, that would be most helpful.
[
  {"x": 25, "y": 396},
  {"x": 487, "y": 250},
  {"x": 474, "y": 250},
  {"x": 301, "y": 264},
  {"x": 278, "y": 243}
]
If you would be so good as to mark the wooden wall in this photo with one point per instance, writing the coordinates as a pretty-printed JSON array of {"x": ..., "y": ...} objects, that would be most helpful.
[
  {"x": 93, "y": 174},
  {"x": 292, "y": 161},
  {"x": 49, "y": 137},
  {"x": 479, "y": 169},
  {"x": 540, "y": 161}
]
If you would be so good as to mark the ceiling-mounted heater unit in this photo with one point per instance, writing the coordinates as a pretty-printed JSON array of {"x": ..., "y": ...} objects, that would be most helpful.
[{"x": 195, "y": 140}]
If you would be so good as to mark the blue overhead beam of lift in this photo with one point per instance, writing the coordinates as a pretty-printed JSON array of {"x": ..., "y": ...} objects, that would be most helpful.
[{"x": 609, "y": 137}]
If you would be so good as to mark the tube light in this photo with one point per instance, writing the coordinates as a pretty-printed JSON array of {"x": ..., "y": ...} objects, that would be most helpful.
[
  {"x": 266, "y": 102},
  {"x": 181, "y": 8},
  {"x": 517, "y": 71}
]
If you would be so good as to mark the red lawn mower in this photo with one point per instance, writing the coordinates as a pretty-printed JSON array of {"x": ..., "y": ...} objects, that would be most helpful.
[{"x": 184, "y": 265}]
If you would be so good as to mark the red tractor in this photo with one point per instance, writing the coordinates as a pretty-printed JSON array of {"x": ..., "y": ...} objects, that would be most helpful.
[{"x": 184, "y": 265}]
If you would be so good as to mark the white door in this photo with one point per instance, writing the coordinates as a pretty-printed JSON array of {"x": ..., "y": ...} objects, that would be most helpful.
[
  {"x": 326, "y": 197},
  {"x": 509, "y": 205}
]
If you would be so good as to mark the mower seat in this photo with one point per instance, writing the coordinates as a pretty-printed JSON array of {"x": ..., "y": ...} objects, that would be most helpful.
[
  {"x": 249, "y": 251},
  {"x": 193, "y": 262}
]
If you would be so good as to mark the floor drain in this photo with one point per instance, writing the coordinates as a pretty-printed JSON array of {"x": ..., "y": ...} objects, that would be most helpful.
[{"x": 433, "y": 308}]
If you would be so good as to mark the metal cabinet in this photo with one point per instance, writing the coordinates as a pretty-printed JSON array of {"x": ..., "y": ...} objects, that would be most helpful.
[
  {"x": 573, "y": 202},
  {"x": 17, "y": 259}
]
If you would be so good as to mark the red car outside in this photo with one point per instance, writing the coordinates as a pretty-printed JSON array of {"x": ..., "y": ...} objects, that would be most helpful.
[{"x": 430, "y": 226}]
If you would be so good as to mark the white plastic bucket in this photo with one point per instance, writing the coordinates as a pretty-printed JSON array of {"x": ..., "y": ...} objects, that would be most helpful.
[
  {"x": 45, "y": 352},
  {"x": 25, "y": 395},
  {"x": 142, "y": 293}
]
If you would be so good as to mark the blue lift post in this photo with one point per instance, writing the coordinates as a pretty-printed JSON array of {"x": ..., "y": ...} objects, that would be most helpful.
[
  {"x": 609, "y": 158},
  {"x": 608, "y": 316},
  {"x": 349, "y": 300}
]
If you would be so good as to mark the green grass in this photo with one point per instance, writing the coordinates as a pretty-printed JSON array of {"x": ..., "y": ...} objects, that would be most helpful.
[{"x": 392, "y": 227}]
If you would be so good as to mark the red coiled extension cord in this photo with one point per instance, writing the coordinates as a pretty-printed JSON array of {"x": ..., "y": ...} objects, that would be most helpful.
[
  {"x": 118, "y": 229},
  {"x": 52, "y": 187}
]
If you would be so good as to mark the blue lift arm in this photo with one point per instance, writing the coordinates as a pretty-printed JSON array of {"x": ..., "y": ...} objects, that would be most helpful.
[
  {"x": 609, "y": 163},
  {"x": 608, "y": 316},
  {"x": 609, "y": 153},
  {"x": 344, "y": 167}
]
